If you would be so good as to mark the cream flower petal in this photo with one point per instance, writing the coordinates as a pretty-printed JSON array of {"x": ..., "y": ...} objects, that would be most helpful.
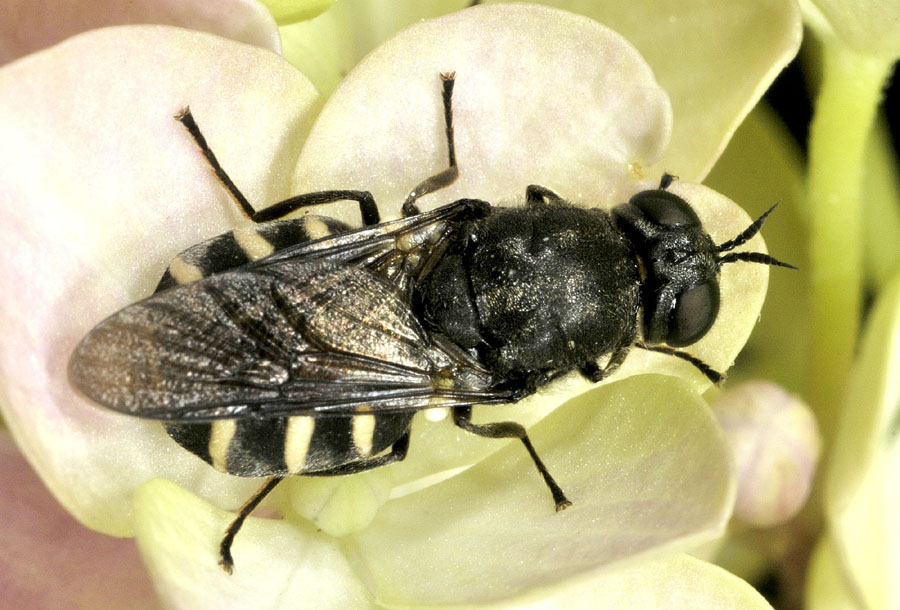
[
  {"x": 100, "y": 188},
  {"x": 27, "y": 26},
  {"x": 289, "y": 11},
  {"x": 673, "y": 583},
  {"x": 827, "y": 586},
  {"x": 328, "y": 47},
  {"x": 714, "y": 60},
  {"x": 871, "y": 27},
  {"x": 643, "y": 461},
  {"x": 277, "y": 564}
]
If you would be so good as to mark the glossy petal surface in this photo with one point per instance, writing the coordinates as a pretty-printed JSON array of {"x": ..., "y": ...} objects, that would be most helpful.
[
  {"x": 598, "y": 113},
  {"x": 872, "y": 27},
  {"x": 328, "y": 47},
  {"x": 678, "y": 582}
]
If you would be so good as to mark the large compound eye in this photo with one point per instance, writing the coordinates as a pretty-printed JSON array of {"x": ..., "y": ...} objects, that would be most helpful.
[
  {"x": 694, "y": 313},
  {"x": 665, "y": 208}
]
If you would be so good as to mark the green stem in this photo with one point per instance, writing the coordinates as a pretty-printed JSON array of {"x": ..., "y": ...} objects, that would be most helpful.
[
  {"x": 845, "y": 111},
  {"x": 881, "y": 214}
]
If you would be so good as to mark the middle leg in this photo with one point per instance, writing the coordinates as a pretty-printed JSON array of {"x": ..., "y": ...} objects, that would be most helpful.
[
  {"x": 536, "y": 193},
  {"x": 461, "y": 417}
]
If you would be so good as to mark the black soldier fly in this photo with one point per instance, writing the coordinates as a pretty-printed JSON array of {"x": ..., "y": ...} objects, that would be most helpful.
[{"x": 303, "y": 346}]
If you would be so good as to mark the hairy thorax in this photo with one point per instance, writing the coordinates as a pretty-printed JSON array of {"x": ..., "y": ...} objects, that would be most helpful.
[{"x": 536, "y": 290}]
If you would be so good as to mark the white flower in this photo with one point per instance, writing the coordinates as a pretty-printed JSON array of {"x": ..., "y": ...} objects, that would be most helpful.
[{"x": 101, "y": 187}]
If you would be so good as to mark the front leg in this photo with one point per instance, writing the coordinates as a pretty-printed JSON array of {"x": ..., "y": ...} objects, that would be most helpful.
[
  {"x": 713, "y": 375},
  {"x": 594, "y": 373}
]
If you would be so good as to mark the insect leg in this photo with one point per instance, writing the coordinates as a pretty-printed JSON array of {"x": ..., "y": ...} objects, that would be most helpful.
[
  {"x": 711, "y": 374},
  {"x": 510, "y": 429},
  {"x": 367, "y": 207},
  {"x": 446, "y": 177},
  {"x": 397, "y": 454},
  {"x": 541, "y": 194},
  {"x": 666, "y": 180},
  {"x": 225, "y": 559},
  {"x": 594, "y": 373}
]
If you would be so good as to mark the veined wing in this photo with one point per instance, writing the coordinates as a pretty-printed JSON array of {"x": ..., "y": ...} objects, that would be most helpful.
[
  {"x": 299, "y": 336},
  {"x": 400, "y": 251}
]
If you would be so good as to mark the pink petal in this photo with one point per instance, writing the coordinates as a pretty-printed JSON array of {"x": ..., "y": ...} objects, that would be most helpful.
[
  {"x": 27, "y": 26},
  {"x": 101, "y": 186},
  {"x": 49, "y": 560},
  {"x": 542, "y": 96}
]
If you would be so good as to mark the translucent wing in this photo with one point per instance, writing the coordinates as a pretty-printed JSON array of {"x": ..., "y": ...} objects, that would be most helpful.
[
  {"x": 305, "y": 334},
  {"x": 400, "y": 251}
]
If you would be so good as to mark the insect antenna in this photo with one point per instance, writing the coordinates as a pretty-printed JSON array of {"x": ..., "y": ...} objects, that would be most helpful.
[
  {"x": 754, "y": 257},
  {"x": 742, "y": 238}
]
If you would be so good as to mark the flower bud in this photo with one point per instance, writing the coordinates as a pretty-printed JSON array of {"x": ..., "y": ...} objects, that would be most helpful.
[{"x": 776, "y": 445}]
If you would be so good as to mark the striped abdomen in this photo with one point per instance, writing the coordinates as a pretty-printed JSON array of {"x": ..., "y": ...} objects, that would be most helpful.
[
  {"x": 245, "y": 245},
  {"x": 280, "y": 445}
]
